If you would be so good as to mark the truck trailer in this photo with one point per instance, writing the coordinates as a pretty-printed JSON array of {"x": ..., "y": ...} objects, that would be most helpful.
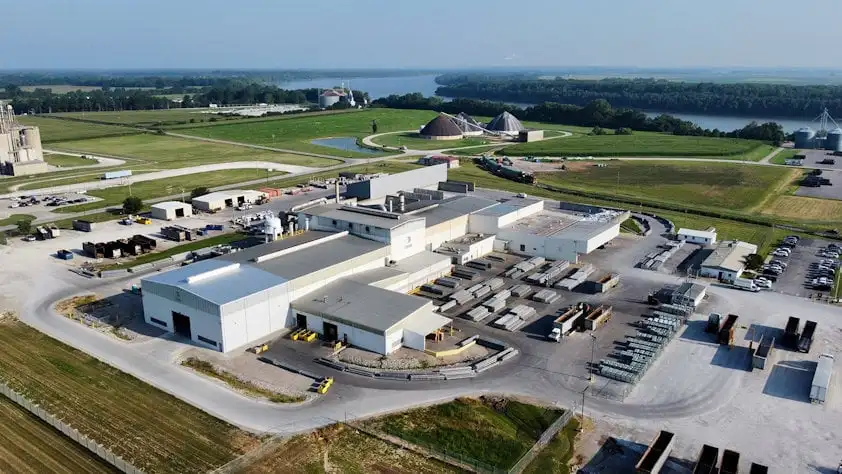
[
  {"x": 726, "y": 333},
  {"x": 821, "y": 379},
  {"x": 806, "y": 339},
  {"x": 790, "y": 338},
  {"x": 730, "y": 462},
  {"x": 569, "y": 320},
  {"x": 707, "y": 460},
  {"x": 656, "y": 454}
]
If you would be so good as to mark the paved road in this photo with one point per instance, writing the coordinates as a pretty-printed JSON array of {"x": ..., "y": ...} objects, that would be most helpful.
[{"x": 101, "y": 161}]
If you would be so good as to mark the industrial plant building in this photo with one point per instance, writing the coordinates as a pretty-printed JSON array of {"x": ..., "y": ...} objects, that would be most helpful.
[
  {"x": 170, "y": 210},
  {"x": 703, "y": 237},
  {"x": 221, "y": 199},
  {"x": 20, "y": 146},
  {"x": 727, "y": 261},
  {"x": 824, "y": 138},
  {"x": 347, "y": 274}
]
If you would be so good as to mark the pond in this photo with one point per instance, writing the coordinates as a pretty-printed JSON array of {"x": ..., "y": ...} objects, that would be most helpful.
[{"x": 342, "y": 143}]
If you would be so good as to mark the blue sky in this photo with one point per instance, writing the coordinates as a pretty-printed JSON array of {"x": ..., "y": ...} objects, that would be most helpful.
[{"x": 419, "y": 33}]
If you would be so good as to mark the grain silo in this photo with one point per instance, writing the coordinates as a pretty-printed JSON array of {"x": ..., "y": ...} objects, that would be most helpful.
[
  {"x": 833, "y": 142},
  {"x": 505, "y": 123},
  {"x": 329, "y": 98},
  {"x": 805, "y": 138},
  {"x": 441, "y": 128}
]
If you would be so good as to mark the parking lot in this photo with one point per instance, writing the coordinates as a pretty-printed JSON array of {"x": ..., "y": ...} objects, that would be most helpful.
[
  {"x": 833, "y": 172},
  {"x": 801, "y": 268}
]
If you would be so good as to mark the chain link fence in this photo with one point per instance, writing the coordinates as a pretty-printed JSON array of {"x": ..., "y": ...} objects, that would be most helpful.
[{"x": 69, "y": 431}]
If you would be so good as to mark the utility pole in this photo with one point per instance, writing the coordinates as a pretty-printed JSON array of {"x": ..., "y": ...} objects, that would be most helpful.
[
  {"x": 590, "y": 369},
  {"x": 582, "y": 423}
]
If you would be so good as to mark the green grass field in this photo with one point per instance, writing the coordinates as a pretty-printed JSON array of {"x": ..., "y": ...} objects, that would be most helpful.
[
  {"x": 296, "y": 132},
  {"x": 55, "y": 130},
  {"x": 491, "y": 433},
  {"x": 556, "y": 456},
  {"x": 163, "y": 152},
  {"x": 640, "y": 144},
  {"x": 414, "y": 142},
  {"x": 473, "y": 151},
  {"x": 167, "y": 187},
  {"x": 713, "y": 185},
  {"x": 14, "y": 218},
  {"x": 64, "y": 161},
  {"x": 32, "y": 446},
  {"x": 61, "y": 88},
  {"x": 148, "y": 118},
  {"x": 780, "y": 158},
  {"x": 153, "y": 430},
  {"x": 82, "y": 177}
]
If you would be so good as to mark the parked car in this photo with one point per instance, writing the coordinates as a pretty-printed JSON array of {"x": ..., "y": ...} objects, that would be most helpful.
[
  {"x": 793, "y": 237},
  {"x": 29, "y": 238},
  {"x": 763, "y": 283},
  {"x": 779, "y": 253},
  {"x": 778, "y": 262},
  {"x": 784, "y": 249}
]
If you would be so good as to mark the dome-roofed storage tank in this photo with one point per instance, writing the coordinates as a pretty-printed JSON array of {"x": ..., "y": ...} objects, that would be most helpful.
[
  {"x": 833, "y": 142},
  {"x": 804, "y": 137}
]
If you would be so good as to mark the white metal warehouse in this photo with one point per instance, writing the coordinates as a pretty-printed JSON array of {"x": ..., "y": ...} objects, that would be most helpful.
[
  {"x": 727, "y": 261},
  {"x": 170, "y": 210},
  {"x": 704, "y": 237},
  {"x": 221, "y": 199}
]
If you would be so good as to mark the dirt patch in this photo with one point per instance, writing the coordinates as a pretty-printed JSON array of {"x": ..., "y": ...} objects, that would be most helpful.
[{"x": 409, "y": 359}]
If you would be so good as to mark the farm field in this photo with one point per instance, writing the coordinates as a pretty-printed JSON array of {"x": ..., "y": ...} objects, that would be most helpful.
[
  {"x": 805, "y": 209},
  {"x": 165, "y": 152},
  {"x": 495, "y": 432},
  {"x": 32, "y": 446},
  {"x": 64, "y": 161},
  {"x": 642, "y": 144},
  {"x": 54, "y": 130},
  {"x": 339, "y": 448},
  {"x": 296, "y": 132},
  {"x": 167, "y": 186},
  {"x": 147, "y": 118},
  {"x": 149, "y": 428},
  {"x": 716, "y": 185},
  {"x": 414, "y": 142},
  {"x": 60, "y": 88}
]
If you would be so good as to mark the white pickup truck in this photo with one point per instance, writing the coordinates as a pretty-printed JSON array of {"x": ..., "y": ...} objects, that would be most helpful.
[{"x": 555, "y": 335}]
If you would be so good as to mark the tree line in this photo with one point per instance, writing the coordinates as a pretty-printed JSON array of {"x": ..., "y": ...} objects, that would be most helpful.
[
  {"x": 597, "y": 113},
  {"x": 736, "y": 99},
  {"x": 225, "y": 92}
]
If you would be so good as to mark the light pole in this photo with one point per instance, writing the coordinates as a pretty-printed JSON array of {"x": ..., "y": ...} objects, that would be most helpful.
[{"x": 590, "y": 369}]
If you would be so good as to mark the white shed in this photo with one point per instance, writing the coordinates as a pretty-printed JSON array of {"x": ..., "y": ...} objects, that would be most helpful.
[
  {"x": 704, "y": 237},
  {"x": 221, "y": 199},
  {"x": 170, "y": 210}
]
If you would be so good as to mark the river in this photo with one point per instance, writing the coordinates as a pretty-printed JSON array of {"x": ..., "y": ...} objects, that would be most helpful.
[{"x": 378, "y": 87}]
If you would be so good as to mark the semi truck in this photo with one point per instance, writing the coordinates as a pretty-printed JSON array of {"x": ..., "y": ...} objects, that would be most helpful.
[{"x": 745, "y": 284}]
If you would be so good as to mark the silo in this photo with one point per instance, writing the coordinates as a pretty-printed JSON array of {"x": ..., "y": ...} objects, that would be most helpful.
[
  {"x": 833, "y": 142},
  {"x": 804, "y": 138},
  {"x": 329, "y": 98}
]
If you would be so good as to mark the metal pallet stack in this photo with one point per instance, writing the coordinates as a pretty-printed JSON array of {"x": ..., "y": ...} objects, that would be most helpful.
[
  {"x": 515, "y": 318},
  {"x": 521, "y": 291},
  {"x": 576, "y": 278},
  {"x": 642, "y": 349},
  {"x": 465, "y": 273},
  {"x": 524, "y": 267},
  {"x": 654, "y": 260},
  {"x": 550, "y": 273},
  {"x": 448, "y": 282},
  {"x": 546, "y": 296},
  {"x": 461, "y": 297}
]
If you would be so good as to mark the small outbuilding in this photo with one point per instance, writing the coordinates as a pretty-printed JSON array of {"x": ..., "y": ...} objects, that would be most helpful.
[
  {"x": 727, "y": 262},
  {"x": 221, "y": 199},
  {"x": 441, "y": 128},
  {"x": 693, "y": 236},
  {"x": 170, "y": 210}
]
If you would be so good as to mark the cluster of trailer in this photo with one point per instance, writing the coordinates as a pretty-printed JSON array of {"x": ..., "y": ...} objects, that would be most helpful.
[
  {"x": 632, "y": 358},
  {"x": 136, "y": 245},
  {"x": 707, "y": 462},
  {"x": 179, "y": 233},
  {"x": 655, "y": 260}
]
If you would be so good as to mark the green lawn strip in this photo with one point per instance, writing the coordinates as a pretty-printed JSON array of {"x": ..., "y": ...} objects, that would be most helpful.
[
  {"x": 557, "y": 454},
  {"x": 415, "y": 142},
  {"x": 640, "y": 144},
  {"x": 630, "y": 225},
  {"x": 713, "y": 185},
  {"x": 296, "y": 132},
  {"x": 111, "y": 214},
  {"x": 390, "y": 167},
  {"x": 56, "y": 130},
  {"x": 222, "y": 239},
  {"x": 781, "y": 157},
  {"x": 473, "y": 430},
  {"x": 154, "y": 431},
  {"x": 473, "y": 151},
  {"x": 15, "y": 218},
  {"x": 167, "y": 186},
  {"x": 206, "y": 368},
  {"x": 168, "y": 152},
  {"x": 76, "y": 179},
  {"x": 67, "y": 160}
]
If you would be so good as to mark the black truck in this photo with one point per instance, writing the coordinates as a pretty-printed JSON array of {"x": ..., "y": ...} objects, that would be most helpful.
[
  {"x": 790, "y": 338},
  {"x": 806, "y": 339}
]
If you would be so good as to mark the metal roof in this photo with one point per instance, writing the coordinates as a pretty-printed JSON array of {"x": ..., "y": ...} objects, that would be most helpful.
[
  {"x": 228, "y": 194},
  {"x": 452, "y": 208},
  {"x": 218, "y": 280},
  {"x": 378, "y": 276},
  {"x": 363, "y": 218},
  {"x": 690, "y": 290},
  {"x": 824, "y": 370},
  {"x": 171, "y": 205},
  {"x": 704, "y": 234},
  {"x": 730, "y": 255},
  {"x": 359, "y": 305},
  {"x": 308, "y": 260},
  {"x": 585, "y": 230}
]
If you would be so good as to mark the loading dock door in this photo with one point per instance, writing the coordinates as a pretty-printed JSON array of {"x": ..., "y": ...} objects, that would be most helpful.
[
  {"x": 229, "y": 202},
  {"x": 179, "y": 213},
  {"x": 301, "y": 320},
  {"x": 330, "y": 332},
  {"x": 181, "y": 324}
]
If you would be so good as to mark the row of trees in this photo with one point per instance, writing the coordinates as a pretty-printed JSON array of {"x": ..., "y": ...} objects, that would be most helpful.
[
  {"x": 223, "y": 92},
  {"x": 746, "y": 99},
  {"x": 598, "y": 113}
]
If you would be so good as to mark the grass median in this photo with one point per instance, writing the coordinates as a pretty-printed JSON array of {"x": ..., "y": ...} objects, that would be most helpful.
[{"x": 65, "y": 161}]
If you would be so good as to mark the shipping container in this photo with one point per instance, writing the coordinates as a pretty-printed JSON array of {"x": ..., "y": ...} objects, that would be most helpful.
[
  {"x": 763, "y": 353},
  {"x": 83, "y": 225},
  {"x": 713, "y": 323},
  {"x": 821, "y": 379},
  {"x": 117, "y": 174},
  {"x": 806, "y": 339},
  {"x": 596, "y": 318},
  {"x": 790, "y": 338},
  {"x": 726, "y": 333},
  {"x": 707, "y": 460},
  {"x": 758, "y": 469},
  {"x": 730, "y": 462},
  {"x": 656, "y": 454}
]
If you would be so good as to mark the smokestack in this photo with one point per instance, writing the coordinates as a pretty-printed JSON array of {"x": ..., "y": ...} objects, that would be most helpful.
[
  {"x": 307, "y": 224},
  {"x": 336, "y": 189},
  {"x": 402, "y": 207},
  {"x": 390, "y": 201},
  {"x": 291, "y": 228}
]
